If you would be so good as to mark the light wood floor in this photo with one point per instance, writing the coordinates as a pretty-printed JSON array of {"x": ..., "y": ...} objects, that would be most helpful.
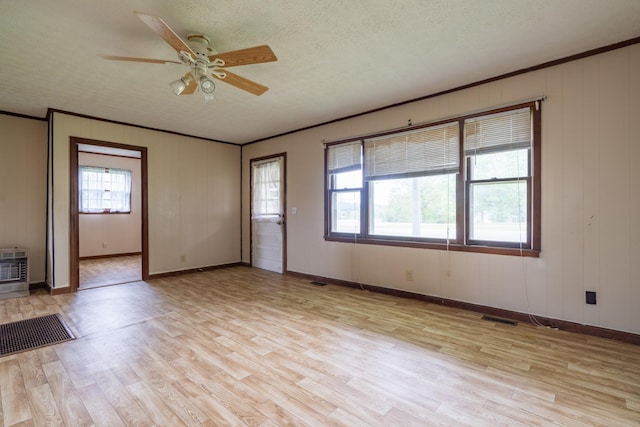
[
  {"x": 98, "y": 272},
  {"x": 241, "y": 346}
]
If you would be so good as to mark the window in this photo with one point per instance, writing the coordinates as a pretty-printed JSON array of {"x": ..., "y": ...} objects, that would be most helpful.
[
  {"x": 498, "y": 178},
  {"x": 412, "y": 181},
  {"x": 470, "y": 183},
  {"x": 104, "y": 190},
  {"x": 266, "y": 188},
  {"x": 344, "y": 167}
]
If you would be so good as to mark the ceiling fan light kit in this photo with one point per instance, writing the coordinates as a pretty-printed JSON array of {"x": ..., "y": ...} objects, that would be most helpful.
[
  {"x": 207, "y": 87},
  {"x": 203, "y": 61},
  {"x": 179, "y": 85}
]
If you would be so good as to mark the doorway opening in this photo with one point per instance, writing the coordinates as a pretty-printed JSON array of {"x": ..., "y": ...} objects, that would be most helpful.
[
  {"x": 107, "y": 248},
  {"x": 96, "y": 272}
]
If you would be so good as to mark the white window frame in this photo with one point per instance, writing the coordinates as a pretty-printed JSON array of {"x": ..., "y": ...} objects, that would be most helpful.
[{"x": 104, "y": 190}]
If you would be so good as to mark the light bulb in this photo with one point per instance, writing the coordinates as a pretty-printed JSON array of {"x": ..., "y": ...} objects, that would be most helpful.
[
  {"x": 207, "y": 85},
  {"x": 178, "y": 86}
]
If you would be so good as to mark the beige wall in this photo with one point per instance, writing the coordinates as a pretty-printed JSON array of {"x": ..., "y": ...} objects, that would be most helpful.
[
  {"x": 107, "y": 234},
  {"x": 193, "y": 193},
  {"x": 590, "y": 200},
  {"x": 23, "y": 189}
]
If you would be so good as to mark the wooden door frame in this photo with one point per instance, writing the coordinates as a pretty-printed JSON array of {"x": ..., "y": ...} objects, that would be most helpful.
[
  {"x": 283, "y": 190},
  {"x": 74, "y": 224}
]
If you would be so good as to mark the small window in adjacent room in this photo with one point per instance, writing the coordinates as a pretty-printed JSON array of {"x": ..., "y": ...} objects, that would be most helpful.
[{"x": 104, "y": 190}]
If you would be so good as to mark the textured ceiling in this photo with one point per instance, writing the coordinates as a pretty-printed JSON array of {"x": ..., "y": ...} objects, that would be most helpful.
[{"x": 335, "y": 57}]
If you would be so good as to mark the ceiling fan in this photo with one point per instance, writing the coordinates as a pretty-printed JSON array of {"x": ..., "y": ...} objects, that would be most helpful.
[{"x": 204, "y": 62}]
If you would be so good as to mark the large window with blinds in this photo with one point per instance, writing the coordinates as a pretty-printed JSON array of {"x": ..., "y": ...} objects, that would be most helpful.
[
  {"x": 411, "y": 179},
  {"x": 469, "y": 183}
]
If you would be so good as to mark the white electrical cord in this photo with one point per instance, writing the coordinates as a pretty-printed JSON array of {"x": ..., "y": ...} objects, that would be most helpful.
[
  {"x": 354, "y": 253},
  {"x": 532, "y": 318}
]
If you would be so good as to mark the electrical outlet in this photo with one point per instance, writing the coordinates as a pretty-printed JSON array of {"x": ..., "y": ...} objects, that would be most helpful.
[
  {"x": 104, "y": 246},
  {"x": 408, "y": 275},
  {"x": 183, "y": 258}
]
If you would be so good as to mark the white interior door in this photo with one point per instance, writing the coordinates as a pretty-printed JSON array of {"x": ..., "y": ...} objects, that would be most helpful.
[{"x": 267, "y": 214}]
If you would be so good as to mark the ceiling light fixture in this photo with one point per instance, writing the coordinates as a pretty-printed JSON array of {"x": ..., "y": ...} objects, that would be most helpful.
[
  {"x": 207, "y": 87},
  {"x": 197, "y": 78},
  {"x": 179, "y": 85}
]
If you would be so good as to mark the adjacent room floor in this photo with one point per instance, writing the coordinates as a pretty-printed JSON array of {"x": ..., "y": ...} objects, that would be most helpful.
[
  {"x": 241, "y": 346},
  {"x": 96, "y": 272}
]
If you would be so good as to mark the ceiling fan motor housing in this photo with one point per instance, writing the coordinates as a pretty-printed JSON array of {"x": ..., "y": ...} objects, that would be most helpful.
[{"x": 200, "y": 44}]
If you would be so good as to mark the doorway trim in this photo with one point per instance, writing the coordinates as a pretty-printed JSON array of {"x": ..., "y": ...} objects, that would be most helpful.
[
  {"x": 74, "y": 224},
  {"x": 283, "y": 190}
]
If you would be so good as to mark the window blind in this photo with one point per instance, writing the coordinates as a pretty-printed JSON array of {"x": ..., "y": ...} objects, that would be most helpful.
[
  {"x": 497, "y": 132},
  {"x": 344, "y": 157},
  {"x": 426, "y": 151}
]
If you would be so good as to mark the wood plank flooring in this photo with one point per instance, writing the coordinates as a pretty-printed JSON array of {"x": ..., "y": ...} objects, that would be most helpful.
[
  {"x": 242, "y": 346},
  {"x": 96, "y": 272}
]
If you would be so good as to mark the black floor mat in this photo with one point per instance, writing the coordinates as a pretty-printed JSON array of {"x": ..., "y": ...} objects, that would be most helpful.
[{"x": 33, "y": 333}]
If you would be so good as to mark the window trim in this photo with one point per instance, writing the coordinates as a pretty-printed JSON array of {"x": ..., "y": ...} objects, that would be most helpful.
[{"x": 461, "y": 242}]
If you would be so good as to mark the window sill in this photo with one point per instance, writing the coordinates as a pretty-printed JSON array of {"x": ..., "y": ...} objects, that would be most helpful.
[
  {"x": 439, "y": 246},
  {"x": 104, "y": 213}
]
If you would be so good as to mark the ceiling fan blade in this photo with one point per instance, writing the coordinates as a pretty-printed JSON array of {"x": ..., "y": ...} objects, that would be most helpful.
[
  {"x": 250, "y": 55},
  {"x": 163, "y": 30},
  {"x": 242, "y": 83},
  {"x": 191, "y": 87},
  {"x": 128, "y": 58}
]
